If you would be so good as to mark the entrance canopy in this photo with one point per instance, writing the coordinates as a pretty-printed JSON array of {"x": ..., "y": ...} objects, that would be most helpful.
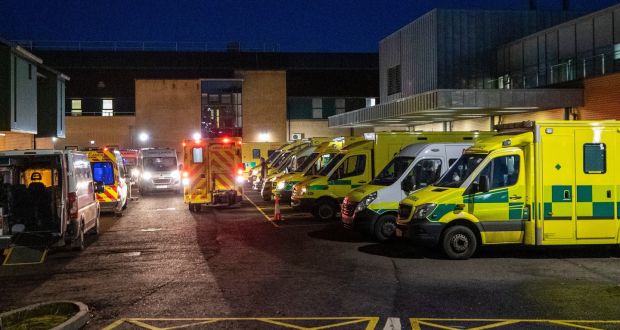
[{"x": 444, "y": 105}]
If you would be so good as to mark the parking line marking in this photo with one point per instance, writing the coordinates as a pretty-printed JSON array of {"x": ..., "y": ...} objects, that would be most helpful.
[
  {"x": 192, "y": 324},
  {"x": 279, "y": 321},
  {"x": 261, "y": 211},
  {"x": 392, "y": 323},
  {"x": 572, "y": 325},
  {"x": 495, "y": 325}
]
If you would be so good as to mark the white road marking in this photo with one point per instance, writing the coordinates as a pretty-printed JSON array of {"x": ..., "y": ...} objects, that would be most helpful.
[
  {"x": 151, "y": 229},
  {"x": 392, "y": 323}
]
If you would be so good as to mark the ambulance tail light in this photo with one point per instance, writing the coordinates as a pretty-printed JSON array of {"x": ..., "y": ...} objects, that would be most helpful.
[
  {"x": 240, "y": 169},
  {"x": 185, "y": 174},
  {"x": 226, "y": 140},
  {"x": 73, "y": 207}
]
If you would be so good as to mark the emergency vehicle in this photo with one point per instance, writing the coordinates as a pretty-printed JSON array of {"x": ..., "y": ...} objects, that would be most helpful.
[
  {"x": 373, "y": 208},
  {"x": 212, "y": 172},
  {"x": 256, "y": 173},
  {"x": 108, "y": 167},
  {"x": 324, "y": 153},
  {"x": 535, "y": 183},
  {"x": 291, "y": 164},
  {"x": 356, "y": 166},
  {"x": 130, "y": 158},
  {"x": 251, "y": 152},
  {"x": 158, "y": 170}
]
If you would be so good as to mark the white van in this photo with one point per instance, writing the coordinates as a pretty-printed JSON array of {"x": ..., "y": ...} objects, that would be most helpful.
[
  {"x": 373, "y": 208},
  {"x": 159, "y": 170},
  {"x": 49, "y": 194}
]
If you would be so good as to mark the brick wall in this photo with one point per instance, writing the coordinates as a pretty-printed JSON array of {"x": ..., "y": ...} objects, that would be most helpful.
[
  {"x": 601, "y": 98},
  {"x": 80, "y": 131},
  {"x": 264, "y": 104},
  {"x": 11, "y": 141}
]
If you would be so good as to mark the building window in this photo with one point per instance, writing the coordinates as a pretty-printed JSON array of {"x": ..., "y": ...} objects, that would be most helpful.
[
  {"x": 317, "y": 108},
  {"x": 371, "y": 102},
  {"x": 617, "y": 52},
  {"x": 76, "y": 107},
  {"x": 107, "y": 108},
  {"x": 340, "y": 106},
  {"x": 393, "y": 80}
]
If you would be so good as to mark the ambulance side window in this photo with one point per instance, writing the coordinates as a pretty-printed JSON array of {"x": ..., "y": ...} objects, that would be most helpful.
[
  {"x": 425, "y": 172},
  {"x": 352, "y": 166},
  {"x": 197, "y": 155},
  {"x": 255, "y": 153},
  {"x": 502, "y": 171},
  {"x": 594, "y": 158}
]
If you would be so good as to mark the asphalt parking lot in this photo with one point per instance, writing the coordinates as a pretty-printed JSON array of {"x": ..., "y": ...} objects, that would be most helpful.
[{"x": 160, "y": 266}]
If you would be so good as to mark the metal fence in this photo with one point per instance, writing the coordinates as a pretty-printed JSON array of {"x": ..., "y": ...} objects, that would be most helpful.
[{"x": 145, "y": 46}]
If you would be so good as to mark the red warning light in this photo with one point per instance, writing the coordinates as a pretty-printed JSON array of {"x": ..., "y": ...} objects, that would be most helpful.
[
  {"x": 105, "y": 149},
  {"x": 226, "y": 140},
  {"x": 184, "y": 144}
]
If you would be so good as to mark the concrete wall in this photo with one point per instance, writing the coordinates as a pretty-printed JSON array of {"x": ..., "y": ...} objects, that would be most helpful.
[
  {"x": 474, "y": 124},
  {"x": 103, "y": 130},
  {"x": 167, "y": 110},
  {"x": 316, "y": 128},
  {"x": 264, "y": 105}
]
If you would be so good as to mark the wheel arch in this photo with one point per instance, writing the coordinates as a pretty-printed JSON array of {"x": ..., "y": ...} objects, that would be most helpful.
[{"x": 466, "y": 223}]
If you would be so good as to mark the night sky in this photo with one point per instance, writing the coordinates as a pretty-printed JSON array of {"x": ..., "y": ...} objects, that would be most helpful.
[{"x": 317, "y": 25}]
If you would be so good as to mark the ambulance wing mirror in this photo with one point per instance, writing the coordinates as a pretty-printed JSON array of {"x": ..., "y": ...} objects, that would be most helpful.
[
  {"x": 484, "y": 184},
  {"x": 407, "y": 185},
  {"x": 99, "y": 187}
]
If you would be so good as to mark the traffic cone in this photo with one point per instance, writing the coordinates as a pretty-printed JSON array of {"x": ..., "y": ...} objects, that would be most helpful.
[{"x": 277, "y": 216}]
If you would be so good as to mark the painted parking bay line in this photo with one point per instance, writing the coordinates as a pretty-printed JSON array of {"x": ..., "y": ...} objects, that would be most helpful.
[
  {"x": 261, "y": 211},
  {"x": 483, "y": 324},
  {"x": 300, "y": 323}
]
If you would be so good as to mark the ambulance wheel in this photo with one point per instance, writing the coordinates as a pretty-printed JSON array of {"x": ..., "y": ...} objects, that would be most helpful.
[
  {"x": 385, "y": 227},
  {"x": 325, "y": 210},
  {"x": 459, "y": 242},
  {"x": 78, "y": 244},
  {"x": 193, "y": 207}
]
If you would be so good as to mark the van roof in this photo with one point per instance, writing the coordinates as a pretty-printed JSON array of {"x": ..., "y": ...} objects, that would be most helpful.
[{"x": 413, "y": 150}]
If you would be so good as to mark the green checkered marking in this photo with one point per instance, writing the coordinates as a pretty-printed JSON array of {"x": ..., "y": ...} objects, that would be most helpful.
[
  {"x": 516, "y": 212},
  {"x": 440, "y": 211},
  {"x": 289, "y": 185},
  {"x": 500, "y": 196},
  {"x": 558, "y": 196},
  {"x": 318, "y": 187},
  {"x": 340, "y": 182},
  {"x": 618, "y": 211},
  {"x": 584, "y": 193}
]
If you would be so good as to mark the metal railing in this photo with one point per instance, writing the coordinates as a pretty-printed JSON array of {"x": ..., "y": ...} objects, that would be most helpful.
[
  {"x": 146, "y": 46},
  {"x": 569, "y": 70},
  {"x": 70, "y": 113}
]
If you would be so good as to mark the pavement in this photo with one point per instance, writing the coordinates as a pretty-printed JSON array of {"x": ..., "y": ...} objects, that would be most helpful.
[{"x": 160, "y": 266}]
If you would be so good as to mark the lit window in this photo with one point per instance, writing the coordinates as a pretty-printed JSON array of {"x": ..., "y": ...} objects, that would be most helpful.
[
  {"x": 371, "y": 101},
  {"x": 107, "y": 108},
  {"x": 617, "y": 52},
  {"x": 76, "y": 107}
]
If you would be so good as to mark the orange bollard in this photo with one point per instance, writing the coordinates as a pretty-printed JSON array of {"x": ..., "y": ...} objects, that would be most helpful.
[{"x": 277, "y": 216}]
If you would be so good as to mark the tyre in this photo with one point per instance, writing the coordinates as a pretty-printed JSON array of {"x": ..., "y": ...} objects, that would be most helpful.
[
  {"x": 325, "y": 210},
  {"x": 194, "y": 207},
  {"x": 385, "y": 227},
  {"x": 95, "y": 231},
  {"x": 459, "y": 242},
  {"x": 78, "y": 244},
  {"x": 125, "y": 205}
]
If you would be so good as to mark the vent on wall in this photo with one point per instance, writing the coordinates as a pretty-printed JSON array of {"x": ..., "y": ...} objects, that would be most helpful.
[{"x": 297, "y": 136}]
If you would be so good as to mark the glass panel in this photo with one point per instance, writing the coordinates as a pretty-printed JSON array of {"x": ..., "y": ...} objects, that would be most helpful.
[
  {"x": 425, "y": 172},
  {"x": 107, "y": 105},
  {"x": 76, "y": 104},
  {"x": 103, "y": 172},
  {"x": 463, "y": 168},
  {"x": 393, "y": 171},
  {"x": 594, "y": 158},
  {"x": 197, "y": 156},
  {"x": 160, "y": 163}
]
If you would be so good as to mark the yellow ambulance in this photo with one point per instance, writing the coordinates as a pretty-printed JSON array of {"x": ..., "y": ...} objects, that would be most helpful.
[
  {"x": 212, "y": 172},
  {"x": 354, "y": 166},
  {"x": 109, "y": 169},
  {"x": 283, "y": 185},
  {"x": 251, "y": 153},
  {"x": 535, "y": 183}
]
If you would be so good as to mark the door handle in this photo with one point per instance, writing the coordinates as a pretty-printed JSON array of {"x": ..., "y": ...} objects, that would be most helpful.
[{"x": 515, "y": 197}]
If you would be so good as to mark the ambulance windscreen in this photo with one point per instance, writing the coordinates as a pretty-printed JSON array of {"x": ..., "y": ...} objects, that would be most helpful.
[
  {"x": 103, "y": 172},
  {"x": 460, "y": 171},
  {"x": 393, "y": 171},
  {"x": 160, "y": 164}
]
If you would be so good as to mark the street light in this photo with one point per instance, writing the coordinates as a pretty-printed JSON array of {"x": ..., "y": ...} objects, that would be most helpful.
[
  {"x": 92, "y": 142},
  {"x": 143, "y": 137},
  {"x": 263, "y": 137},
  {"x": 197, "y": 136}
]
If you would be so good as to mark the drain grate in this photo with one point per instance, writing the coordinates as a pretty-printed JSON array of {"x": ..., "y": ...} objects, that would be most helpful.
[{"x": 25, "y": 255}]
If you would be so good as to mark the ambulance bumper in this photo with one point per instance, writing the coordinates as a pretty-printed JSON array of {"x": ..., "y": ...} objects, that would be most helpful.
[
  {"x": 285, "y": 196},
  {"x": 360, "y": 221},
  {"x": 422, "y": 232},
  {"x": 108, "y": 206},
  {"x": 303, "y": 204}
]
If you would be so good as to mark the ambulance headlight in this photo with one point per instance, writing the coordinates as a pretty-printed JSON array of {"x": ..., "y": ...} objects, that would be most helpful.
[
  {"x": 176, "y": 174},
  {"x": 304, "y": 190},
  {"x": 281, "y": 185},
  {"x": 135, "y": 172},
  {"x": 424, "y": 210},
  {"x": 147, "y": 175},
  {"x": 363, "y": 204},
  {"x": 186, "y": 181},
  {"x": 240, "y": 179}
]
